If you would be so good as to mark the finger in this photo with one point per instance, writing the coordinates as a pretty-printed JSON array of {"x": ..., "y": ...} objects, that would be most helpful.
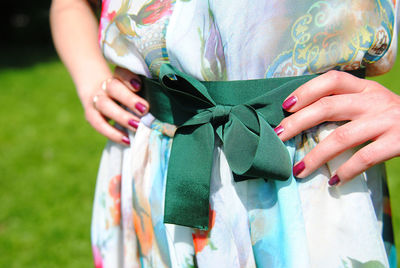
[
  {"x": 119, "y": 92},
  {"x": 332, "y": 108},
  {"x": 100, "y": 124},
  {"x": 330, "y": 83},
  {"x": 108, "y": 108},
  {"x": 341, "y": 139},
  {"x": 129, "y": 79},
  {"x": 384, "y": 148}
]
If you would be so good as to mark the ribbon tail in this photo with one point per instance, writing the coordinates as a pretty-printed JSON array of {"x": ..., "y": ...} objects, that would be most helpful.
[{"x": 188, "y": 177}]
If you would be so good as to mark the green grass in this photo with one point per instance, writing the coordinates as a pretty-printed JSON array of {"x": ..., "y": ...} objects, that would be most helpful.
[{"x": 48, "y": 164}]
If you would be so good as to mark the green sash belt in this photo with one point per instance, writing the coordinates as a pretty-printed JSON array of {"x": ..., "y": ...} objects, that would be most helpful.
[{"x": 242, "y": 114}]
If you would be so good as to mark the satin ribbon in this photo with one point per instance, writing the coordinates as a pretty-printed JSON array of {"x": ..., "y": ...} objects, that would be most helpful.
[{"x": 251, "y": 147}]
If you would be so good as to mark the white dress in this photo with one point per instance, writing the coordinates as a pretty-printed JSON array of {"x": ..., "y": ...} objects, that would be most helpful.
[{"x": 253, "y": 223}]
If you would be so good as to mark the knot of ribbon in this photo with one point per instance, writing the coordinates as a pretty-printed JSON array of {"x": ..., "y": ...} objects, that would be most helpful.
[
  {"x": 220, "y": 114},
  {"x": 251, "y": 147}
]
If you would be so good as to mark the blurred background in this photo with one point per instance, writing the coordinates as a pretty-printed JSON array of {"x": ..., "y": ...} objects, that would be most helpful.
[{"x": 49, "y": 154}]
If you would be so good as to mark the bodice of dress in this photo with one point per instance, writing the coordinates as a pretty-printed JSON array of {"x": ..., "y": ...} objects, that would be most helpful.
[{"x": 237, "y": 39}]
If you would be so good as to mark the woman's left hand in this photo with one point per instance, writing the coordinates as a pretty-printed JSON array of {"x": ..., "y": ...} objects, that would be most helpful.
[{"x": 372, "y": 112}]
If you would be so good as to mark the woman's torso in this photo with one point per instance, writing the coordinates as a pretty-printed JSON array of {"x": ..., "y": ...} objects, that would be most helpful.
[{"x": 274, "y": 224}]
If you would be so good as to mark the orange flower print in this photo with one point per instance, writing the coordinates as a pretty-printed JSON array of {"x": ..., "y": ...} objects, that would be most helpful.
[
  {"x": 200, "y": 237},
  {"x": 144, "y": 230},
  {"x": 114, "y": 190}
]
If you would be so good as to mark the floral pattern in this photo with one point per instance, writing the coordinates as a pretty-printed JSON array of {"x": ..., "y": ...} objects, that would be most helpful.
[
  {"x": 144, "y": 29},
  {"x": 153, "y": 12},
  {"x": 255, "y": 223},
  {"x": 213, "y": 65},
  {"x": 114, "y": 190},
  {"x": 201, "y": 238}
]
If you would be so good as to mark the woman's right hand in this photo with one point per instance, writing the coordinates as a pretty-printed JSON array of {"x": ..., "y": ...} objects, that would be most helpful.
[{"x": 104, "y": 104}]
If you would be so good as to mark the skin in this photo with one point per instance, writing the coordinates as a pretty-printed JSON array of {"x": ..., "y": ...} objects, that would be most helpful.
[
  {"x": 372, "y": 111},
  {"x": 75, "y": 32}
]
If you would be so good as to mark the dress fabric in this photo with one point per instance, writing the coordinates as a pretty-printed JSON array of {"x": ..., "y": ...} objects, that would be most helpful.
[{"x": 253, "y": 223}]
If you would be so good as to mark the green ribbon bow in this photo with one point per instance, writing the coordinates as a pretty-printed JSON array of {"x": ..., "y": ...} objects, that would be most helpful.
[{"x": 240, "y": 113}]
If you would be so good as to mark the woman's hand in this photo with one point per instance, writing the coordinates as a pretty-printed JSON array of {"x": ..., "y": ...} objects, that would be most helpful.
[
  {"x": 372, "y": 112},
  {"x": 75, "y": 33},
  {"x": 104, "y": 103}
]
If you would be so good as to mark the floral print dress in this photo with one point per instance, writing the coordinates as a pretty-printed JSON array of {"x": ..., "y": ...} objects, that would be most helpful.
[{"x": 253, "y": 223}]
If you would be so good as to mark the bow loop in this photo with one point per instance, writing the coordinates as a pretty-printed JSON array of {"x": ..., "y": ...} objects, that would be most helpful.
[{"x": 188, "y": 92}]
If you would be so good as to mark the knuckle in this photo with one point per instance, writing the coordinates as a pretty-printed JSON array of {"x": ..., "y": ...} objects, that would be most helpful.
[
  {"x": 372, "y": 86},
  {"x": 381, "y": 98},
  {"x": 325, "y": 104},
  {"x": 284, "y": 122},
  {"x": 100, "y": 104},
  {"x": 325, "y": 107},
  {"x": 366, "y": 156},
  {"x": 133, "y": 99},
  {"x": 311, "y": 161},
  {"x": 334, "y": 76},
  {"x": 341, "y": 135},
  {"x": 112, "y": 85},
  {"x": 115, "y": 137},
  {"x": 375, "y": 93},
  {"x": 106, "y": 130},
  {"x": 287, "y": 123},
  {"x": 115, "y": 85},
  {"x": 123, "y": 119},
  {"x": 394, "y": 112}
]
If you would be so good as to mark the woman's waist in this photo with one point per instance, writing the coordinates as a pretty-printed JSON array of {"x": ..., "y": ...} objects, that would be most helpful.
[{"x": 177, "y": 97}]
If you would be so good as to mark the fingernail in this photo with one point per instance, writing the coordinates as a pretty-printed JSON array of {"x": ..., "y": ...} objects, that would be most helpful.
[
  {"x": 298, "y": 168},
  {"x": 141, "y": 107},
  {"x": 289, "y": 102},
  {"x": 334, "y": 180},
  {"x": 135, "y": 83},
  {"x": 126, "y": 140},
  {"x": 133, "y": 123},
  {"x": 278, "y": 130}
]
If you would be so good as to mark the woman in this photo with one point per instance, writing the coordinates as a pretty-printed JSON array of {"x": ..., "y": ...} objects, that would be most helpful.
[{"x": 329, "y": 213}]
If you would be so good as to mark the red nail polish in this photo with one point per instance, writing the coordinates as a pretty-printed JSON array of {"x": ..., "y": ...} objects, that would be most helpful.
[
  {"x": 298, "y": 168},
  {"x": 126, "y": 140},
  {"x": 135, "y": 83},
  {"x": 278, "y": 130},
  {"x": 289, "y": 102},
  {"x": 140, "y": 107},
  {"x": 133, "y": 123},
  {"x": 334, "y": 180}
]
